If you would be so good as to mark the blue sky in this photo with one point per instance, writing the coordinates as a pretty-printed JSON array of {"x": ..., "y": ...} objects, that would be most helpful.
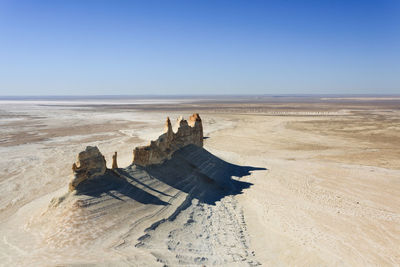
[{"x": 199, "y": 47}]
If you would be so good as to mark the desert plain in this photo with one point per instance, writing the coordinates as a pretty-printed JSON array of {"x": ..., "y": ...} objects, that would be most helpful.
[{"x": 319, "y": 176}]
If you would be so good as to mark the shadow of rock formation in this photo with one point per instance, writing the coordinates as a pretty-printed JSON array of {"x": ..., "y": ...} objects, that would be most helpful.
[
  {"x": 191, "y": 169},
  {"x": 113, "y": 185},
  {"x": 201, "y": 174}
]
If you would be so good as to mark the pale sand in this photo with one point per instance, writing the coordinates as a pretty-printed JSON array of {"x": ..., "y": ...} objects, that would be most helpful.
[{"x": 330, "y": 194}]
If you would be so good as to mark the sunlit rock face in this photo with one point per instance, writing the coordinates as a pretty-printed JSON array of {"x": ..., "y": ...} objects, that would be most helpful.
[
  {"x": 197, "y": 133},
  {"x": 91, "y": 163},
  {"x": 188, "y": 133}
]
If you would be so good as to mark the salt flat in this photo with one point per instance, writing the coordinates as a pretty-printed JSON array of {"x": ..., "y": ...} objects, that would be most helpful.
[{"x": 329, "y": 193}]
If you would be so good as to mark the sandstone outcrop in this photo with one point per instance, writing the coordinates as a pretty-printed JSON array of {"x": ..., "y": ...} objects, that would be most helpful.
[
  {"x": 114, "y": 161},
  {"x": 189, "y": 132},
  {"x": 91, "y": 163}
]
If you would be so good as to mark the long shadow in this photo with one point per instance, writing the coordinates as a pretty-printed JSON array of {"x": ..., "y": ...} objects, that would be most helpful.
[
  {"x": 191, "y": 169},
  {"x": 202, "y": 175},
  {"x": 128, "y": 176},
  {"x": 111, "y": 184}
]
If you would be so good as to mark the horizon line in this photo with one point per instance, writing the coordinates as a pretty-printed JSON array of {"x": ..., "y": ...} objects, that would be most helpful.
[{"x": 54, "y": 96}]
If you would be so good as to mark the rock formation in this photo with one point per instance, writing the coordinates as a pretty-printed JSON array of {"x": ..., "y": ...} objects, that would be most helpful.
[
  {"x": 114, "y": 161},
  {"x": 91, "y": 163},
  {"x": 162, "y": 149}
]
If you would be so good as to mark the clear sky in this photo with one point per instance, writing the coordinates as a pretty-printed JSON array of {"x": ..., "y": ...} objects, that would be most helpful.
[{"x": 90, "y": 47}]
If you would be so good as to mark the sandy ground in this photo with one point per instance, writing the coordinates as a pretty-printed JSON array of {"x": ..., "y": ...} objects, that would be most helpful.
[{"x": 330, "y": 194}]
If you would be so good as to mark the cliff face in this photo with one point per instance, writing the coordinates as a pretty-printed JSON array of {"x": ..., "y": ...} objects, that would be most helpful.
[
  {"x": 91, "y": 162},
  {"x": 189, "y": 132}
]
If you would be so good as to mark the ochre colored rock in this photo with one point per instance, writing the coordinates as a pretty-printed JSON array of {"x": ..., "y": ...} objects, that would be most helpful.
[
  {"x": 162, "y": 149},
  {"x": 195, "y": 122},
  {"x": 114, "y": 161},
  {"x": 91, "y": 163}
]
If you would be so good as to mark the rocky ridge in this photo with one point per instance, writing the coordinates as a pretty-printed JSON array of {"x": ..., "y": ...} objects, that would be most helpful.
[
  {"x": 91, "y": 163},
  {"x": 189, "y": 132}
]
